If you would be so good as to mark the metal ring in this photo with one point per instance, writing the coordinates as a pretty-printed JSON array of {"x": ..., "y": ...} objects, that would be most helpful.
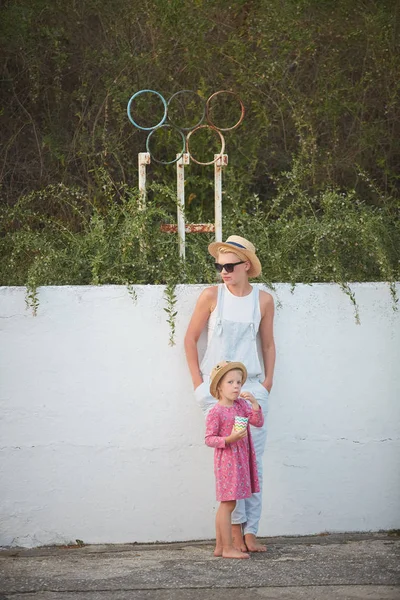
[
  {"x": 165, "y": 162},
  {"x": 222, "y": 144},
  {"x": 148, "y": 92},
  {"x": 202, "y": 101},
  {"x": 208, "y": 110}
]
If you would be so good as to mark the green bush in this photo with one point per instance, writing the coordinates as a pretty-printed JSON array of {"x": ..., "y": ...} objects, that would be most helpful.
[
  {"x": 313, "y": 170},
  {"x": 60, "y": 236}
]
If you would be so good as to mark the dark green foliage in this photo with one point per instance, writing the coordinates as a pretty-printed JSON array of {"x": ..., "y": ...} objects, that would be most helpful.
[
  {"x": 320, "y": 81},
  {"x": 332, "y": 236},
  {"x": 313, "y": 175}
]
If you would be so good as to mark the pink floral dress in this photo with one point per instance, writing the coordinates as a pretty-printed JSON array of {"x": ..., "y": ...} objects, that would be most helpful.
[{"x": 235, "y": 464}]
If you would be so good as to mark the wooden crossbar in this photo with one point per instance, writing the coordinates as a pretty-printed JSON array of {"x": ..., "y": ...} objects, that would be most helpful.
[{"x": 189, "y": 228}]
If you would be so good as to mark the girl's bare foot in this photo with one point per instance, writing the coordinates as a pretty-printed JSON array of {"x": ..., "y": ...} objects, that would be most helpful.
[
  {"x": 252, "y": 544},
  {"x": 234, "y": 553},
  {"x": 218, "y": 551},
  {"x": 237, "y": 538}
]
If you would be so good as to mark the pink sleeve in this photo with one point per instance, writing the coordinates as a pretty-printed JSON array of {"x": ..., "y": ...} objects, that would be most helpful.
[
  {"x": 212, "y": 438},
  {"x": 256, "y": 417}
]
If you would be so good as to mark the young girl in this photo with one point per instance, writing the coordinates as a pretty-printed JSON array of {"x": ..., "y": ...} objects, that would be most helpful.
[{"x": 234, "y": 457}]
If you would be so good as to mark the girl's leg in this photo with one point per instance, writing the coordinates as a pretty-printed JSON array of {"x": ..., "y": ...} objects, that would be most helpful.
[
  {"x": 223, "y": 527},
  {"x": 237, "y": 538}
]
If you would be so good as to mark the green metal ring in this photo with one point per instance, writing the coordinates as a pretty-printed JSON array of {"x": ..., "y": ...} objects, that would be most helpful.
[
  {"x": 166, "y": 162},
  {"x": 201, "y": 100}
]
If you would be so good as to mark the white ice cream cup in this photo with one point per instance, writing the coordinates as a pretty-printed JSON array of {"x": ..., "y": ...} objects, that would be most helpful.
[{"x": 240, "y": 423}]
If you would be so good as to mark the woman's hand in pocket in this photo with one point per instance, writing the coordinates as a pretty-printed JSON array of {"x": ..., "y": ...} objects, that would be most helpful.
[
  {"x": 267, "y": 385},
  {"x": 197, "y": 384}
]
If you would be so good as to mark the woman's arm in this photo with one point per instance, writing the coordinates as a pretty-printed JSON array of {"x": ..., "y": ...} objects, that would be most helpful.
[
  {"x": 205, "y": 305},
  {"x": 267, "y": 337}
]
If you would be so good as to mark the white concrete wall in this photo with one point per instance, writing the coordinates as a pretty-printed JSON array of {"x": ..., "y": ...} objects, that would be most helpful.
[{"x": 101, "y": 439}]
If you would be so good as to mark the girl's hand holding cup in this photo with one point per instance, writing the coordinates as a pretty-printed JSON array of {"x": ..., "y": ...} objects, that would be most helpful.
[
  {"x": 239, "y": 429},
  {"x": 235, "y": 435}
]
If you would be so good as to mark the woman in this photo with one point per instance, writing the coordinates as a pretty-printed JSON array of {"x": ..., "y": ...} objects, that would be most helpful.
[{"x": 235, "y": 312}]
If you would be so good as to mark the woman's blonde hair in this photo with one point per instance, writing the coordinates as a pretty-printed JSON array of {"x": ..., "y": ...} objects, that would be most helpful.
[{"x": 225, "y": 250}]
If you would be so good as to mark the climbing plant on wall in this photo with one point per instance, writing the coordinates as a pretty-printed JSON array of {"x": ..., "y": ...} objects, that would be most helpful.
[{"x": 313, "y": 172}]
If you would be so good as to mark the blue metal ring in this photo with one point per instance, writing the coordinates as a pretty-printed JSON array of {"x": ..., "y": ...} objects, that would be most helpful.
[
  {"x": 128, "y": 110},
  {"x": 165, "y": 162}
]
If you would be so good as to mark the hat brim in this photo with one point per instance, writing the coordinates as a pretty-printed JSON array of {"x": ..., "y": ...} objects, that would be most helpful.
[
  {"x": 232, "y": 366},
  {"x": 255, "y": 265}
]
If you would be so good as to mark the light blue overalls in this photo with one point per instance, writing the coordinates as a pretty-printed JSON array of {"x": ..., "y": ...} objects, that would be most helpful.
[{"x": 236, "y": 341}]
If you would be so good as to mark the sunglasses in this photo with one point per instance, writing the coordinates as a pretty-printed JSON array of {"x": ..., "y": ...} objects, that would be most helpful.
[{"x": 228, "y": 266}]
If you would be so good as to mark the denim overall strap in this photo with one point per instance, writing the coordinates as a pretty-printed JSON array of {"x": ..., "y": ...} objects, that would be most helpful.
[
  {"x": 256, "y": 310},
  {"x": 220, "y": 309}
]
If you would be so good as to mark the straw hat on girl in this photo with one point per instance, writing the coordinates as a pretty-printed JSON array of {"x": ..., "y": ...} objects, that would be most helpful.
[{"x": 219, "y": 371}]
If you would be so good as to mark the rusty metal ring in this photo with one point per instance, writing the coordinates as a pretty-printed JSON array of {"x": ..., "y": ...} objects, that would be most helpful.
[
  {"x": 166, "y": 162},
  {"x": 208, "y": 110},
  {"x": 203, "y": 102},
  {"x": 221, "y": 137}
]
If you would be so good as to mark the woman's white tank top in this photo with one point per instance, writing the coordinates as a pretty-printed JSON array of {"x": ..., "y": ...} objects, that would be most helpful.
[{"x": 235, "y": 308}]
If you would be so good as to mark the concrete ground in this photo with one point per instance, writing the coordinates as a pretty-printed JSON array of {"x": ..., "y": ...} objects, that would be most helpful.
[{"x": 330, "y": 567}]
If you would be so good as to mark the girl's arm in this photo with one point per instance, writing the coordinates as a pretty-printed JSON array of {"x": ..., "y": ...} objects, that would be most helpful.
[
  {"x": 254, "y": 413},
  {"x": 256, "y": 418},
  {"x": 212, "y": 438}
]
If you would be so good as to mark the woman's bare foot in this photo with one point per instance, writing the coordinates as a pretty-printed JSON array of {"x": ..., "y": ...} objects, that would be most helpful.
[
  {"x": 234, "y": 553},
  {"x": 237, "y": 538},
  {"x": 252, "y": 544},
  {"x": 218, "y": 551}
]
